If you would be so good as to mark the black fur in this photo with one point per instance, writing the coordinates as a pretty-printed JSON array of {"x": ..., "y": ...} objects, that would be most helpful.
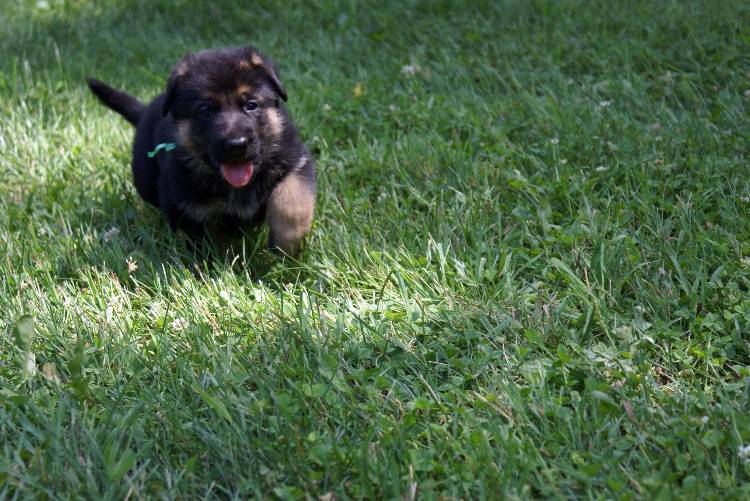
[{"x": 223, "y": 109}]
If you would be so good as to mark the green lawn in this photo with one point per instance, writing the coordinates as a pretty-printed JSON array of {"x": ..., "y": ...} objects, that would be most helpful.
[{"x": 529, "y": 274}]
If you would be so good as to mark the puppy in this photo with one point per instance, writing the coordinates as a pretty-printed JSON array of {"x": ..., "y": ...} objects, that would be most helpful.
[{"x": 218, "y": 151}]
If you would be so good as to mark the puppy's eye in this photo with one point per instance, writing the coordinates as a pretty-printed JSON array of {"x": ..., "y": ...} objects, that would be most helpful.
[
  {"x": 251, "y": 106},
  {"x": 203, "y": 111}
]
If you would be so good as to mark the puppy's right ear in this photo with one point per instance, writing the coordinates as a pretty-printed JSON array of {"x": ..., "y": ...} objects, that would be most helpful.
[
  {"x": 262, "y": 62},
  {"x": 178, "y": 73}
]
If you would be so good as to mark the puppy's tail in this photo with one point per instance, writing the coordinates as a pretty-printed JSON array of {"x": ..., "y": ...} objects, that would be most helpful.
[{"x": 122, "y": 102}]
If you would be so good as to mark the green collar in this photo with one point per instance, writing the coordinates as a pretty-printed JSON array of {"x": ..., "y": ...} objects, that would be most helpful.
[{"x": 162, "y": 146}]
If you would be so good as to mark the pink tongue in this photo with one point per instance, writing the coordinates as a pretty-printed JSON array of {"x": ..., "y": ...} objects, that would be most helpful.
[{"x": 238, "y": 175}]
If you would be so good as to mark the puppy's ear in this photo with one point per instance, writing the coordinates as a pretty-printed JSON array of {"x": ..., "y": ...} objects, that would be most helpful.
[
  {"x": 261, "y": 62},
  {"x": 178, "y": 73}
]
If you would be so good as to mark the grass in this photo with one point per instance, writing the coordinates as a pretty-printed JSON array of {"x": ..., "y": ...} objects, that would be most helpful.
[{"x": 529, "y": 274}]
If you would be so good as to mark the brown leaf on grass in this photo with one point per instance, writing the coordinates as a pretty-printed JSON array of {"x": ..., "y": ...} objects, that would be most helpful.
[
  {"x": 663, "y": 376},
  {"x": 628, "y": 410}
]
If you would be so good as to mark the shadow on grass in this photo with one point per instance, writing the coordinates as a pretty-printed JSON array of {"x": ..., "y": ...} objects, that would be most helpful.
[{"x": 153, "y": 254}]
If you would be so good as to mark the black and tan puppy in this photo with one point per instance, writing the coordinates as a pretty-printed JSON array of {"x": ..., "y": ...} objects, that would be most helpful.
[{"x": 218, "y": 151}]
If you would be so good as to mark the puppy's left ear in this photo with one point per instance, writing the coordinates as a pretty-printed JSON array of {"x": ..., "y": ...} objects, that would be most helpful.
[
  {"x": 262, "y": 62},
  {"x": 178, "y": 73}
]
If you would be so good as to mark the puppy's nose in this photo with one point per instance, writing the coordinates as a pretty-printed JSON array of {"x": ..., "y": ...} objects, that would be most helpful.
[{"x": 236, "y": 144}]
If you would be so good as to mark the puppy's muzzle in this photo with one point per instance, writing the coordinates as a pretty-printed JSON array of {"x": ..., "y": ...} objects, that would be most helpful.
[{"x": 235, "y": 149}]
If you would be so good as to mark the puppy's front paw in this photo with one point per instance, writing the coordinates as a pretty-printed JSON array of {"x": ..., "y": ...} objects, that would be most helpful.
[
  {"x": 288, "y": 247},
  {"x": 290, "y": 211}
]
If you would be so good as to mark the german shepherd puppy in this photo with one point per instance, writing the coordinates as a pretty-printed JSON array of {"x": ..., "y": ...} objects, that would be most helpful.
[{"x": 218, "y": 151}]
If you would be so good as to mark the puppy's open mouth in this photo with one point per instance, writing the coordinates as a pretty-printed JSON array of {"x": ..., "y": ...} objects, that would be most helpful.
[{"x": 237, "y": 174}]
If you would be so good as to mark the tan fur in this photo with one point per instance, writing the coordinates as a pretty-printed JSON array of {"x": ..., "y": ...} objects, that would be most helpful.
[
  {"x": 183, "y": 134},
  {"x": 289, "y": 212},
  {"x": 181, "y": 69},
  {"x": 256, "y": 59},
  {"x": 275, "y": 122},
  {"x": 244, "y": 89},
  {"x": 301, "y": 163}
]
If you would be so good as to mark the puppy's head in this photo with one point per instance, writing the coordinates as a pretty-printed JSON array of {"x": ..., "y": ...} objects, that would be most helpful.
[{"x": 225, "y": 104}]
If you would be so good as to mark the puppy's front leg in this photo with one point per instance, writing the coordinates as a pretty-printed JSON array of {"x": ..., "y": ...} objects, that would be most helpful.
[
  {"x": 179, "y": 220},
  {"x": 289, "y": 212}
]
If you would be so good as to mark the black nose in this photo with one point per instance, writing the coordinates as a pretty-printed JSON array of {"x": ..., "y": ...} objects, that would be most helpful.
[{"x": 236, "y": 144}]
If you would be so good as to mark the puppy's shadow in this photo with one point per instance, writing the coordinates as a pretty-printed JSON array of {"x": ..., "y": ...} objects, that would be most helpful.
[{"x": 131, "y": 240}]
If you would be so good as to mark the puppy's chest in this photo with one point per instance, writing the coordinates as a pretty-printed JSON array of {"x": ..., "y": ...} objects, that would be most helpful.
[{"x": 240, "y": 205}]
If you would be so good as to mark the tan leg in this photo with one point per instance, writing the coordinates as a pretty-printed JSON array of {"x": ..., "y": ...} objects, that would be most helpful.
[{"x": 289, "y": 213}]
